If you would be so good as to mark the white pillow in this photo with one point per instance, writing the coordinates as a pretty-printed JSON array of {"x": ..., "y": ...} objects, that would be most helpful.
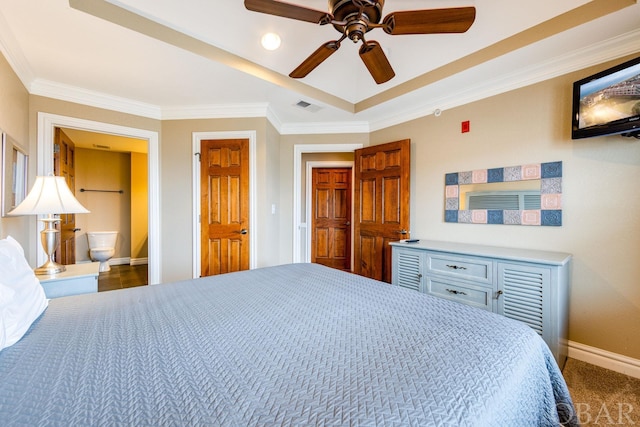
[
  {"x": 3, "y": 333},
  {"x": 22, "y": 299}
]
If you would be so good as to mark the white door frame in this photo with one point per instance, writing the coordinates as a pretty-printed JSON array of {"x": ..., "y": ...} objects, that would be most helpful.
[
  {"x": 197, "y": 137},
  {"x": 298, "y": 224},
  {"x": 324, "y": 164},
  {"x": 45, "y": 138}
]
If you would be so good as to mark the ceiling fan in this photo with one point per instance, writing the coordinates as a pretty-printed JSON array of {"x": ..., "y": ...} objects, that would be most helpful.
[{"x": 354, "y": 18}]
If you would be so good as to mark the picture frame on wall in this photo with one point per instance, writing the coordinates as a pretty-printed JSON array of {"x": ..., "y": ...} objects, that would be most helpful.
[{"x": 14, "y": 163}]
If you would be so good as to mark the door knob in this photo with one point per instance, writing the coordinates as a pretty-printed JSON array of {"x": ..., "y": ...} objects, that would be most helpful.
[
  {"x": 76, "y": 229},
  {"x": 244, "y": 231},
  {"x": 348, "y": 223},
  {"x": 403, "y": 231}
]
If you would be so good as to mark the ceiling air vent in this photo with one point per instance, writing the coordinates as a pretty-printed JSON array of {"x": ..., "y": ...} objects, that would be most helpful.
[
  {"x": 307, "y": 106},
  {"x": 102, "y": 147}
]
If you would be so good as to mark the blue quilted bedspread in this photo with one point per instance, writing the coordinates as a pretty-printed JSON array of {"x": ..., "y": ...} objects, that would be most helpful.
[{"x": 294, "y": 345}]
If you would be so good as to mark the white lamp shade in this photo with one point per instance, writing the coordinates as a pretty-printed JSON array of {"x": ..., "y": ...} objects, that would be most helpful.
[{"x": 49, "y": 195}]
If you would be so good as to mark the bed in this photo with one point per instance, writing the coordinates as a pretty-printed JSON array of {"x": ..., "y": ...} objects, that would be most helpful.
[{"x": 291, "y": 345}]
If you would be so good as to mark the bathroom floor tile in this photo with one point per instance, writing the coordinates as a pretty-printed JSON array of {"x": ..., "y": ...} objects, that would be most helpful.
[{"x": 123, "y": 276}]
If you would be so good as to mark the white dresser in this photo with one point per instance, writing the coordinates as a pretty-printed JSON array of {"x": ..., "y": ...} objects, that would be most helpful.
[
  {"x": 527, "y": 285},
  {"x": 76, "y": 279}
]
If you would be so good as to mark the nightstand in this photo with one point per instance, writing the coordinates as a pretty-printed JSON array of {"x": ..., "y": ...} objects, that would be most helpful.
[{"x": 76, "y": 279}]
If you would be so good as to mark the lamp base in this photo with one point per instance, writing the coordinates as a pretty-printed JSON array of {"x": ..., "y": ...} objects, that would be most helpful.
[
  {"x": 49, "y": 268},
  {"x": 50, "y": 239}
]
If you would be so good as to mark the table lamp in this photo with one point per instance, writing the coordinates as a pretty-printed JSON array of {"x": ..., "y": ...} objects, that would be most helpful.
[{"x": 49, "y": 196}]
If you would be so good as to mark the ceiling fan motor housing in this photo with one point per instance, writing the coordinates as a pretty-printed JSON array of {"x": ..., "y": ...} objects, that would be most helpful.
[{"x": 349, "y": 11}]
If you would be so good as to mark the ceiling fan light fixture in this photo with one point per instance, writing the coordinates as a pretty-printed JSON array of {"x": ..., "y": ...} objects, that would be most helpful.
[
  {"x": 271, "y": 41},
  {"x": 354, "y": 18}
]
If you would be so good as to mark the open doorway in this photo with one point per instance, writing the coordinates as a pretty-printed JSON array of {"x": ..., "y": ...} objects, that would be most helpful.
[
  {"x": 330, "y": 234},
  {"x": 110, "y": 179},
  {"x": 47, "y": 123},
  {"x": 301, "y": 231}
]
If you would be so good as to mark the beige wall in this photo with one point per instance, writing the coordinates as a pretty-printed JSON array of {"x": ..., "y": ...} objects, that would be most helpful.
[
  {"x": 14, "y": 108},
  {"x": 103, "y": 170},
  {"x": 177, "y": 198},
  {"x": 139, "y": 206},
  {"x": 269, "y": 222},
  {"x": 601, "y": 224}
]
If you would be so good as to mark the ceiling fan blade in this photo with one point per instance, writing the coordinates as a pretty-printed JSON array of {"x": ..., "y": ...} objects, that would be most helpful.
[
  {"x": 315, "y": 59},
  {"x": 287, "y": 10},
  {"x": 451, "y": 20},
  {"x": 376, "y": 61}
]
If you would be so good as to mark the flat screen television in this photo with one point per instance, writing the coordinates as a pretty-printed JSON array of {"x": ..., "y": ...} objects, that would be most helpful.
[{"x": 608, "y": 102}]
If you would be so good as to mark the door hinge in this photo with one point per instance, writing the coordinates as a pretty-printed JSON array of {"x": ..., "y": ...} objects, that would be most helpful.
[{"x": 199, "y": 156}]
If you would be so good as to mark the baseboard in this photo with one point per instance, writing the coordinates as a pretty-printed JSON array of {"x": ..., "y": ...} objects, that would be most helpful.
[
  {"x": 123, "y": 261},
  {"x": 119, "y": 261},
  {"x": 605, "y": 359}
]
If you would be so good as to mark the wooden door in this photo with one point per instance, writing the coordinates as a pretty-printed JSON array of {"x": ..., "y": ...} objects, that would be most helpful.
[
  {"x": 381, "y": 202},
  {"x": 224, "y": 206},
  {"x": 64, "y": 165},
  {"x": 331, "y": 217}
]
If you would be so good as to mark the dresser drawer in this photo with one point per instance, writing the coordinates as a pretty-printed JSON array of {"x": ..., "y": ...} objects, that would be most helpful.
[
  {"x": 467, "y": 268},
  {"x": 465, "y": 293}
]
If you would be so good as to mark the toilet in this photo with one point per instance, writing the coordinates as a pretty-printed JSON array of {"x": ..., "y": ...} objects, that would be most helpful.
[{"x": 102, "y": 246}]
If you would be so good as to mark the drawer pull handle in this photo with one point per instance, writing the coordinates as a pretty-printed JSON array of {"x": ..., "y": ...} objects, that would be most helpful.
[
  {"x": 456, "y": 267},
  {"x": 453, "y": 291}
]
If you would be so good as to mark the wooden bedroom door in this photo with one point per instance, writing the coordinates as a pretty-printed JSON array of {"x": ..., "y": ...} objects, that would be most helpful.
[
  {"x": 331, "y": 217},
  {"x": 224, "y": 206},
  {"x": 381, "y": 181},
  {"x": 64, "y": 165}
]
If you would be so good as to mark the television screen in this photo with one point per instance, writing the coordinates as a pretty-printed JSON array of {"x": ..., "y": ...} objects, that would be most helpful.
[{"x": 608, "y": 102}]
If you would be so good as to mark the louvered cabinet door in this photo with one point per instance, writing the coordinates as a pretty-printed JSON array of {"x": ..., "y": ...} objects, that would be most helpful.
[
  {"x": 525, "y": 293},
  {"x": 408, "y": 268}
]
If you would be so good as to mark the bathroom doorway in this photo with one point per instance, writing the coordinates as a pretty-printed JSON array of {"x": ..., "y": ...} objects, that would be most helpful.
[
  {"x": 47, "y": 123},
  {"x": 111, "y": 181}
]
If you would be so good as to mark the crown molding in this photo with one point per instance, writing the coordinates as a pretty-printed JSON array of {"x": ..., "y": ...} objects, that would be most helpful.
[
  {"x": 274, "y": 119},
  {"x": 311, "y": 128},
  {"x": 11, "y": 51},
  {"x": 604, "y": 51},
  {"x": 93, "y": 99},
  {"x": 215, "y": 111},
  {"x": 223, "y": 111}
]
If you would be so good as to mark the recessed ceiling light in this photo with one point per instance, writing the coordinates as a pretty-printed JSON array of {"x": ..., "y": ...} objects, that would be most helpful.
[{"x": 270, "y": 41}]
